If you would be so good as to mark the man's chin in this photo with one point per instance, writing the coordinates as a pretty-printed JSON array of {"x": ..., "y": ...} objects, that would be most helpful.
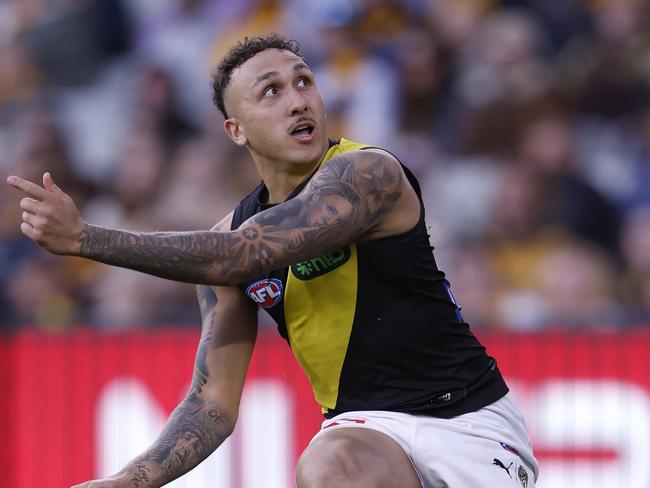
[{"x": 308, "y": 154}]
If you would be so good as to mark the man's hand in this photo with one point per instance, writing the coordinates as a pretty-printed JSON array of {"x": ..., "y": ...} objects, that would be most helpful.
[{"x": 50, "y": 217}]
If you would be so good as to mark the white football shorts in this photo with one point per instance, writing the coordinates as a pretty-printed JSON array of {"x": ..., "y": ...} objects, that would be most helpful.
[{"x": 489, "y": 448}]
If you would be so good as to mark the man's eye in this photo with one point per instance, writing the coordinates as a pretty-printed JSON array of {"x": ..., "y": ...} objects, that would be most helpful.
[
  {"x": 303, "y": 82},
  {"x": 270, "y": 91}
]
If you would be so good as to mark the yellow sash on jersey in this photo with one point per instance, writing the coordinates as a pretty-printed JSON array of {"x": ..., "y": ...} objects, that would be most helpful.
[{"x": 319, "y": 306}]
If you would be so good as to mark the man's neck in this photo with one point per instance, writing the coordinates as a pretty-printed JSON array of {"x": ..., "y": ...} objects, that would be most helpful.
[{"x": 281, "y": 178}]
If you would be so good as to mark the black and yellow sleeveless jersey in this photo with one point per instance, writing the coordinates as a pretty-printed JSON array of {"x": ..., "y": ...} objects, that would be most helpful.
[{"x": 374, "y": 325}]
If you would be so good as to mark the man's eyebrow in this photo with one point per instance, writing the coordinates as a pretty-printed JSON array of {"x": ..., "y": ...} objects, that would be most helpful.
[
  {"x": 299, "y": 66},
  {"x": 271, "y": 74},
  {"x": 265, "y": 76}
]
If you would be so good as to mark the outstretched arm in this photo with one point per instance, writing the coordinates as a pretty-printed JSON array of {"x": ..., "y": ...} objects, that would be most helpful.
[
  {"x": 207, "y": 415},
  {"x": 348, "y": 199}
]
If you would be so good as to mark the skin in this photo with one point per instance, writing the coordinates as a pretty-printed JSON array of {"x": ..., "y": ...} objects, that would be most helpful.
[
  {"x": 356, "y": 457},
  {"x": 357, "y": 196},
  {"x": 267, "y": 96}
]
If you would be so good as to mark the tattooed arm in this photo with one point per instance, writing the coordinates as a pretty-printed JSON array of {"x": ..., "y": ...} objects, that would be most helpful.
[
  {"x": 207, "y": 415},
  {"x": 356, "y": 195}
]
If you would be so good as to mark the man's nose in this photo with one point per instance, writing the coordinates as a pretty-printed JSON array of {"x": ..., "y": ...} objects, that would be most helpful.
[{"x": 297, "y": 102}]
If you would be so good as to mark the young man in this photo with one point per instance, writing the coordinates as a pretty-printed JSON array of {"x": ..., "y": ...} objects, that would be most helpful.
[{"x": 333, "y": 245}]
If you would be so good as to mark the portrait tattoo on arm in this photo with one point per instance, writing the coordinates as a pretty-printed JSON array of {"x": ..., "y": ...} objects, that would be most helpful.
[
  {"x": 344, "y": 200},
  {"x": 194, "y": 430}
]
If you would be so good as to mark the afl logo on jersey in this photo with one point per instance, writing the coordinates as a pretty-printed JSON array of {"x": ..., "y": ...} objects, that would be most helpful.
[{"x": 265, "y": 293}]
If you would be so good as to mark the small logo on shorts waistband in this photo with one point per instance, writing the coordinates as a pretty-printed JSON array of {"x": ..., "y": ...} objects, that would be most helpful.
[{"x": 497, "y": 462}]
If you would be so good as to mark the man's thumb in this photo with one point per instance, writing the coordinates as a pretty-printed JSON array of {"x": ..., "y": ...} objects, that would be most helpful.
[{"x": 49, "y": 185}]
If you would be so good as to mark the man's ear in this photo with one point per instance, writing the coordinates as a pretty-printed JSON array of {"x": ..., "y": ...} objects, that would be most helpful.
[{"x": 234, "y": 131}]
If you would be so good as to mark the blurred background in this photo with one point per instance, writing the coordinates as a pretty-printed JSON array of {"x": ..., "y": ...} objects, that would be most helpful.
[{"x": 527, "y": 123}]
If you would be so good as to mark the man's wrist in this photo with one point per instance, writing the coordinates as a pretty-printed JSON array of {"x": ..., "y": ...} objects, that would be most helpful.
[
  {"x": 139, "y": 475},
  {"x": 82, "y": 238}
]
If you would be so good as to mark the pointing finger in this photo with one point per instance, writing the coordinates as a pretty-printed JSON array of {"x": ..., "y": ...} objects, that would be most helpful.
[
  {"x": 28, "y": 187},
  {"x": 29, "y": 204}
]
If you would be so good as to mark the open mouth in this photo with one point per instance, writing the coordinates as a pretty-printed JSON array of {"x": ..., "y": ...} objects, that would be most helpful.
[{"x": 303, "y": 131}]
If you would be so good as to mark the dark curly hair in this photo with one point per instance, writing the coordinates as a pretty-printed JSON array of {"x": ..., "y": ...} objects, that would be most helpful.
[{"x": 238, "y": 55}]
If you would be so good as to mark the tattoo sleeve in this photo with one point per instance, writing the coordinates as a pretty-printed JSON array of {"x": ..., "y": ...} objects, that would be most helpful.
[
  {"x": 207, "y": 301},
  {"x": 195, "y": 428},
  {"x": 345, "y": 199}
]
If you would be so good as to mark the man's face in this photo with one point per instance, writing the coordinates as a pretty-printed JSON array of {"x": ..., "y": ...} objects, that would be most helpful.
[{"x": 274, "y": 101}]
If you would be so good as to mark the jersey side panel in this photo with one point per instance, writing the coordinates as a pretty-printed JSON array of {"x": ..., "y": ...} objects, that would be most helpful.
[{"x": 319, "y": 314}]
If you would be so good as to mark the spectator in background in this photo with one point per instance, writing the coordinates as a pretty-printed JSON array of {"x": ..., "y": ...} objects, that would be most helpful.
[
  {"x": 517, "y": 121},
  {"x": 121, "y": 300},
  {"x": 38, "y": 291},
  {"x": 352, "y": 79},
  {"x": 71, "y": 43},
  {"x": 179, "y": 41},
  {"x": 635, "y": 284},
  {"x": 516, "y": 244},
  {"x": 190, "y": 199},
  {"x": 42, "y": 294},
  {"x": 616, "y": 156},
  {"x": 542, "y": 274},
  {"x": 547, "y": 147},
  {"x": 469, "y": 270},
  {"x": 576, "y": 283},
  {"x": 607, "y": 67},
  {"x": 422, "y": 74},
  {"x": 141, "y": 177},
  {"x": 456, "y": 22},
  {"x": 39, "y": 144},
  {"x": 502, "y": 81},
  {"x": 18, "y": 78},
  {"x": 158, "y": 107}
]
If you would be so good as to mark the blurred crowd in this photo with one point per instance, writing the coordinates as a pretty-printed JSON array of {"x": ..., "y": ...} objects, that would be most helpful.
[{"x": 528, "y": 124}]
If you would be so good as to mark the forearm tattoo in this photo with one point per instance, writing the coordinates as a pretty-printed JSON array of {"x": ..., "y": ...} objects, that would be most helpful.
[
  {"x": 141, "y": 475},
  {"x": 341, "y": 202},
  {"x": 194, "y": 430},
  {"x": 207, "y": 301}
]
